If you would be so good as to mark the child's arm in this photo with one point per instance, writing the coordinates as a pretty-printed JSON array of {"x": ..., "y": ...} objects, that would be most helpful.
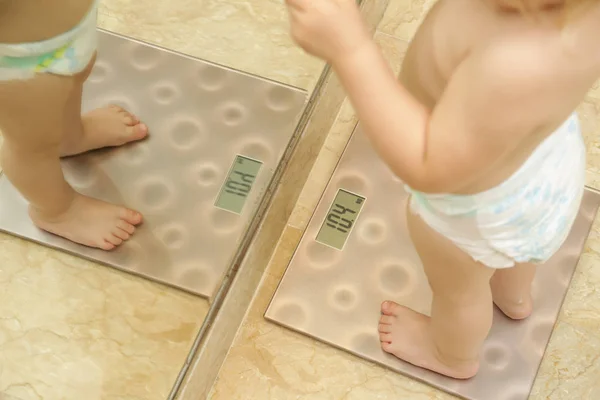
[{"x": 478, "y": 119}]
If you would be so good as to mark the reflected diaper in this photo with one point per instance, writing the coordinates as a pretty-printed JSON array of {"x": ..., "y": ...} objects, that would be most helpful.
[
  {"x": 66, "y": 54},
  {"x": 525, "y": 219}
]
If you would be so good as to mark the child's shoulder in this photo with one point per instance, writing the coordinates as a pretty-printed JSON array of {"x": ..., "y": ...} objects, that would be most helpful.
[
  {"x": 539, "y": 65},
  {"x": 508, "y": 61},
  {"x": 522, "y": 83},
  {"x": 518, "y": 60},
  {"x": 544, "y": 53}
]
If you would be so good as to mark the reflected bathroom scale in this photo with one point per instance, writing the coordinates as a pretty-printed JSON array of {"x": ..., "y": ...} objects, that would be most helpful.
[
  {"x": 356, "y": 253},
  {"x": 216, "y": 138}
]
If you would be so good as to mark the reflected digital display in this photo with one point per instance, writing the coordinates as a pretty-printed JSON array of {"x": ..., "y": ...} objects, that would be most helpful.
[{"x": 238, "y": 184}]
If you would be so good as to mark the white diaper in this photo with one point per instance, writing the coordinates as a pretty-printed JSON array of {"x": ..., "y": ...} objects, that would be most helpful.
[{"x": 525, "y": 219}]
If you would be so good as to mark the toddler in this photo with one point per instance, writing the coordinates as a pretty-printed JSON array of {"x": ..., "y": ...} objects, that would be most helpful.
[
  {"x": 47, "y": 50},
  {"x": 481, "y": 128}
]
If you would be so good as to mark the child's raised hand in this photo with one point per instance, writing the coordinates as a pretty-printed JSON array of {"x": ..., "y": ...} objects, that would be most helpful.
[{"x": 328, "y": 29}]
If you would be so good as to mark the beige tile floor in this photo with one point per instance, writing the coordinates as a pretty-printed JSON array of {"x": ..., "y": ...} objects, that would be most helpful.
[
  {"x": 71, "y": 329},
  {"x": 270, "y": 362}
]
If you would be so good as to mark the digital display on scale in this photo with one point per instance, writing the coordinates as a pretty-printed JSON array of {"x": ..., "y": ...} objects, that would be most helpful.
[
  {"x": 238, "y": 184},
  {"x": 340, "y": 219}
]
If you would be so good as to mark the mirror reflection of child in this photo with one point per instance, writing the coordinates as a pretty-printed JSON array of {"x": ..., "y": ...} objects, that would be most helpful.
[
  {"x": 47, "y": 51},
  {"x": 482, "y": 130}
]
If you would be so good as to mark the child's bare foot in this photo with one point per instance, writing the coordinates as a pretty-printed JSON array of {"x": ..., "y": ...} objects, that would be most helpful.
[
  {"x": 90, "y": 222},
  {"x": 405, "y": 334},
  {"x": 105, "y": 127},
  {"x": 516, "y": 309}
]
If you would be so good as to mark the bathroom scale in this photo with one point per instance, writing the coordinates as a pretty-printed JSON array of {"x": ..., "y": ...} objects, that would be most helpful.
[
  {"x": 356, "y": 253},
  {"x": 216, "y": 138}
]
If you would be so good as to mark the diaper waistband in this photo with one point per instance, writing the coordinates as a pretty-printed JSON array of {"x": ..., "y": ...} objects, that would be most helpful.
[{"x": 565, "y": 144}]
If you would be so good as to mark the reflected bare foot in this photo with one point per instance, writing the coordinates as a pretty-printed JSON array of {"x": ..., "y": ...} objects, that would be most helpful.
[
  {"x": 90, "y": 222},
  {"x": 105, "y": 127}
]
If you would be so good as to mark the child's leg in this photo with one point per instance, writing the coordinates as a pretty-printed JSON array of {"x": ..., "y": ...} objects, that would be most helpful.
[
  {"x": 461, "y": 316},
  {"x": 511, "y": 290},
  {"x": 34, "y": 116},
  {"x": 105, "y": 127}
]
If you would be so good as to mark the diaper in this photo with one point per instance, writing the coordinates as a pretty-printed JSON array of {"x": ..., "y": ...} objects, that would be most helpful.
[
  {"x": 528, "y": 217},
  {"x": 66, "y": 54}
]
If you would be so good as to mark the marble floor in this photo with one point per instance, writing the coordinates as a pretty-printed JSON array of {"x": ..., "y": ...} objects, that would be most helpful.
[
  {"x": 71, "y": 329},
  {"x": 270, "y": 362}
]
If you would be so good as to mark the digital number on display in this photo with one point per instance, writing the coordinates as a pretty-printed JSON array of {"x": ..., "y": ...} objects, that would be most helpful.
[
  {"x": 340, "y": 219},
  {"x": 238, "y": 185}
]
